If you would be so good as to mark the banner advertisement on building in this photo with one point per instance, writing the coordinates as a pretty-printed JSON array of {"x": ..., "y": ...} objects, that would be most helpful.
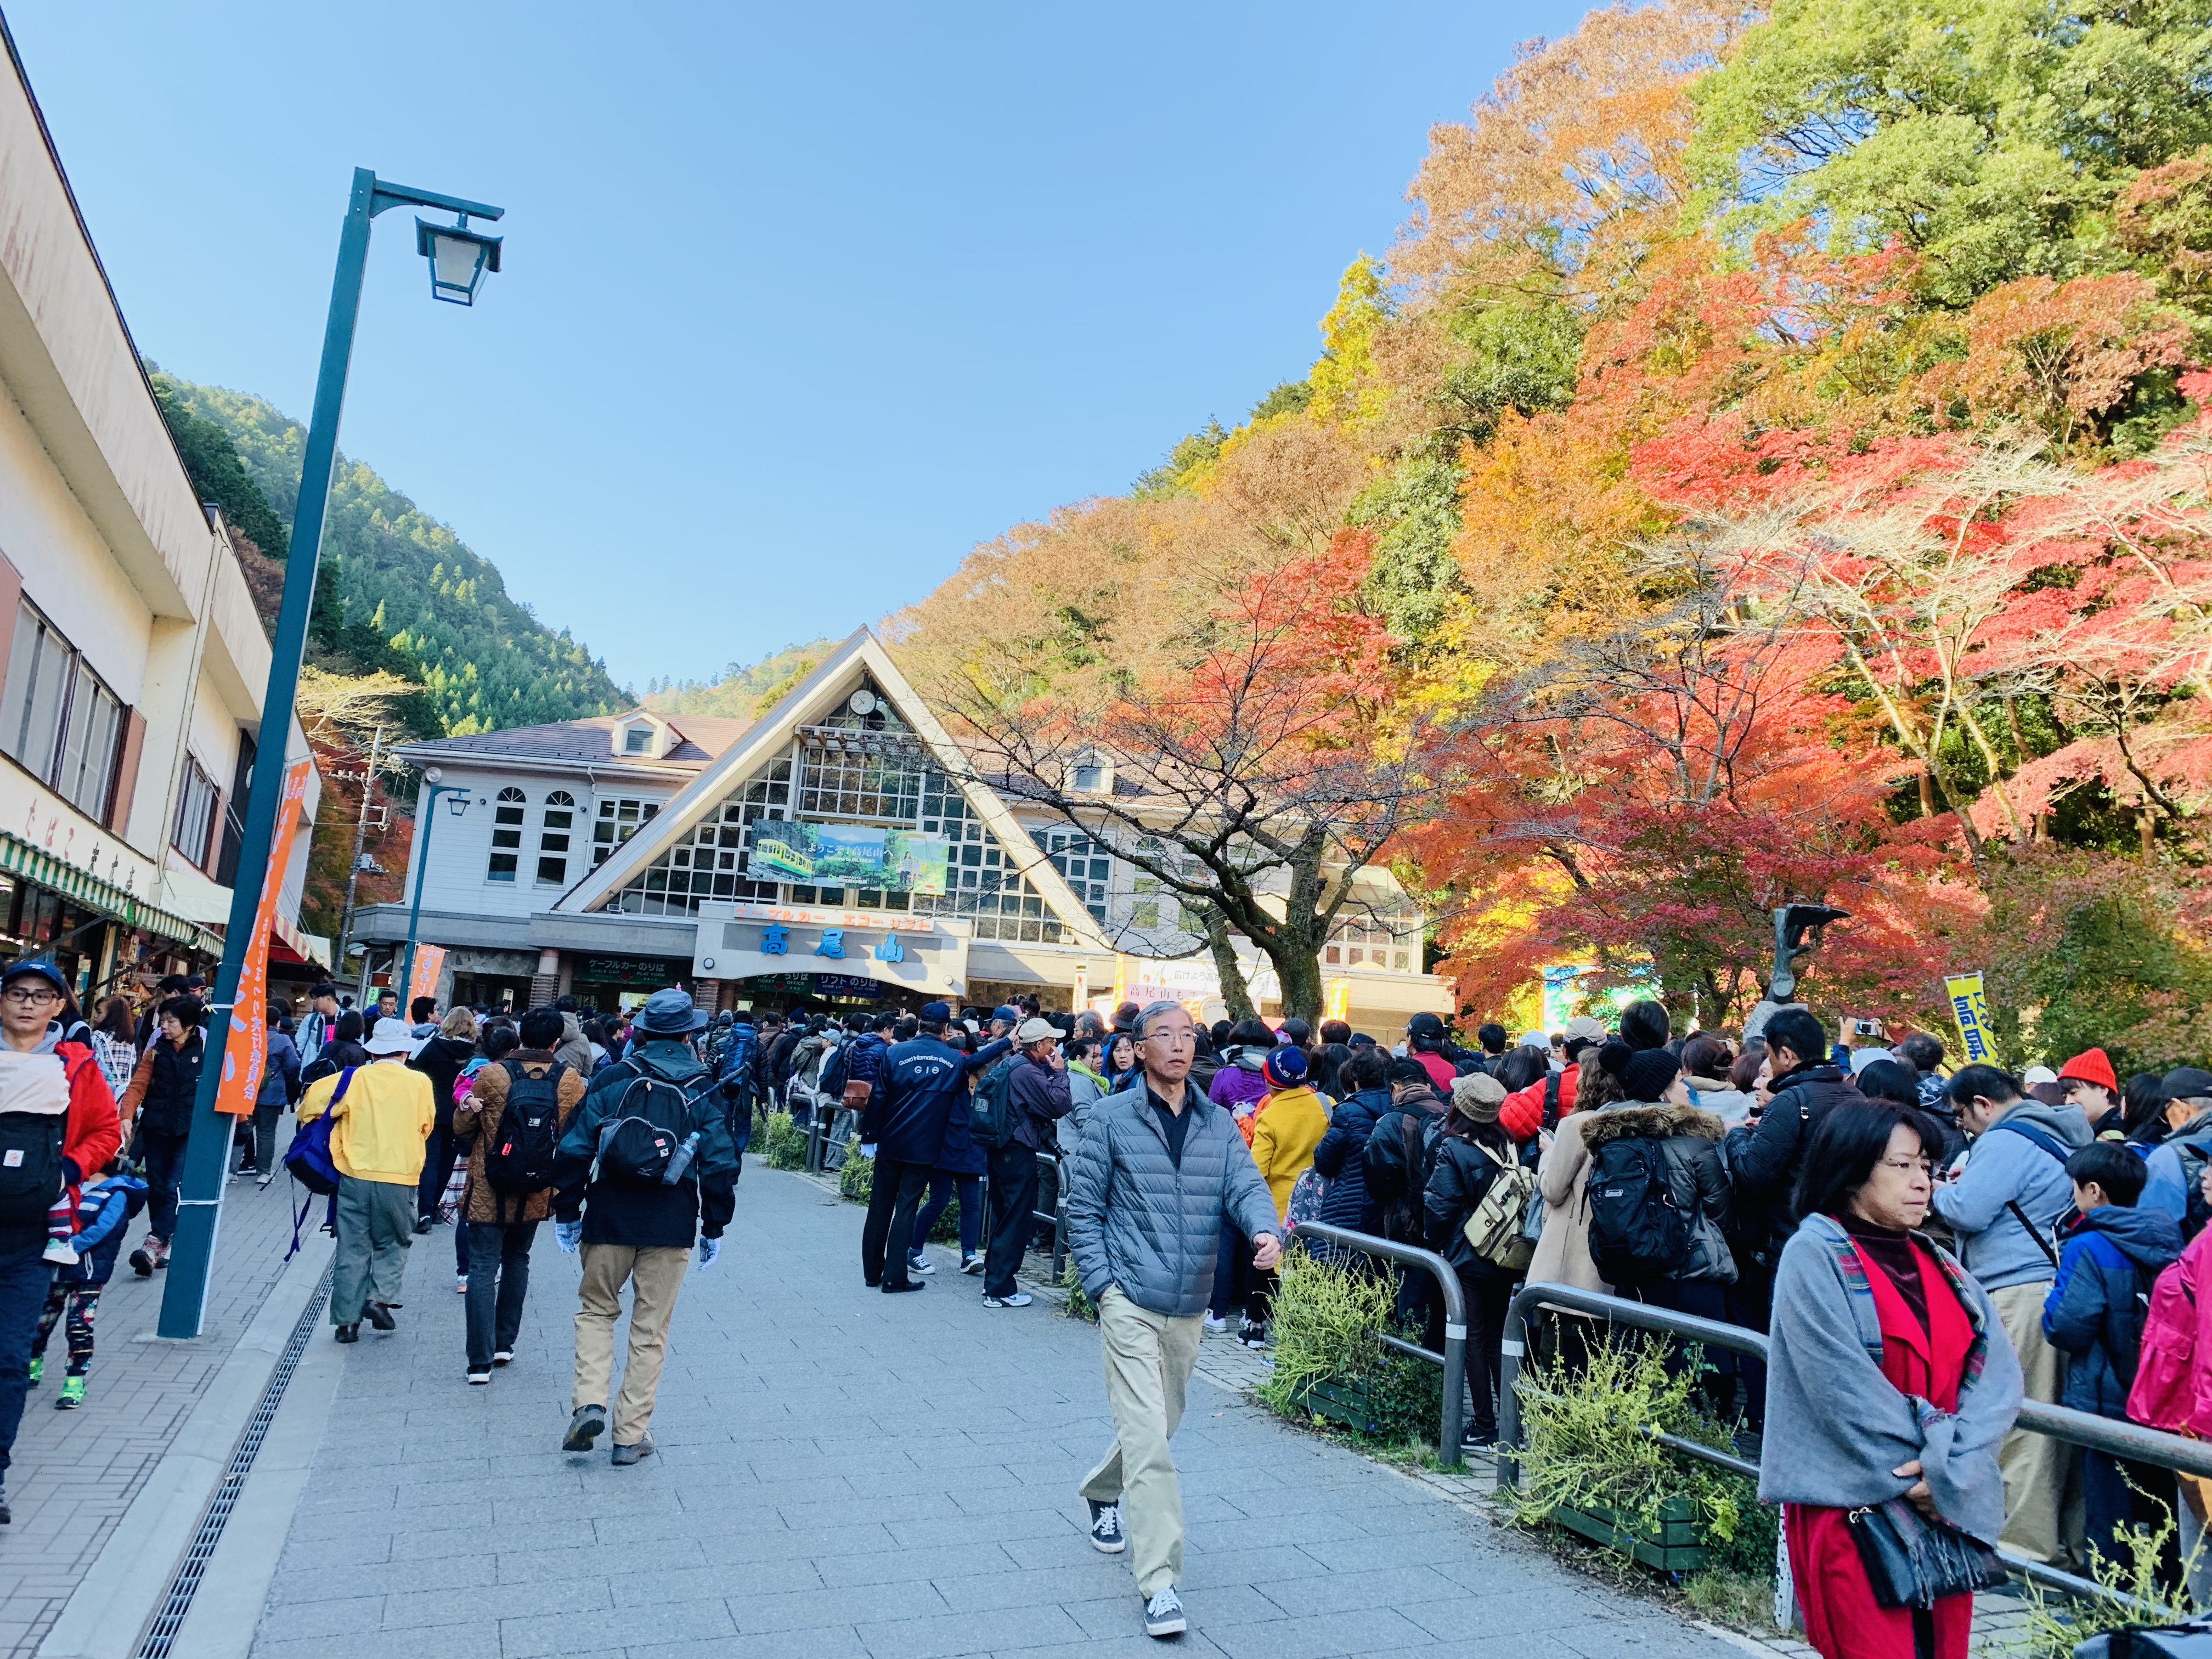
[
  {"x": 1972, "y": 1009},
  {"x": 246, "y": 1056},
  {"x": 852, "y": 855},
  {"x": 422, "y": 978}
]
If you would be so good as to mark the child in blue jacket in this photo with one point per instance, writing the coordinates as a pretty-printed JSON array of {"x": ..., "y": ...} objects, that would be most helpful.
[
  {"x": 2094, "y": 1312},
  {"x": 103, "y": 1213}
]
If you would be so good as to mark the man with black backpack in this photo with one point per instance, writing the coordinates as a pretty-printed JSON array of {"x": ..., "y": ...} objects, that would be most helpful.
[
  {"x": 511, "y": 1122},
  {"x": 644, "y": 1168},
  {"x": 1016, "y": 1103}
]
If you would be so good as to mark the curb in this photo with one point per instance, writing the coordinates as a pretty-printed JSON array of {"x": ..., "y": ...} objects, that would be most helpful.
[{"x": 128, "y": 1581}]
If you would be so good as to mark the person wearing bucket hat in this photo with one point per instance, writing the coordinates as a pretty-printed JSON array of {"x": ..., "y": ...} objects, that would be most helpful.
[
  {"x": 644, "y": 1169},
  {"x": 57, "y": 1119}
]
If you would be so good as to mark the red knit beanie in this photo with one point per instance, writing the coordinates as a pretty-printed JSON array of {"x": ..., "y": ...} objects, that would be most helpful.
[{"x": 2091, "y": 1066}]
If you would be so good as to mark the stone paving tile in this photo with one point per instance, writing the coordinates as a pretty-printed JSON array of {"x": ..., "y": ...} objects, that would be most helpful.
[
  {"x": 74, "y": 1473},
  {"x": 843, "y": 1475}
]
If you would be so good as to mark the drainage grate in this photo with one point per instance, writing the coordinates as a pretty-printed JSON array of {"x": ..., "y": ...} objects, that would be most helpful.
[{"x": 186, "y": 1583}]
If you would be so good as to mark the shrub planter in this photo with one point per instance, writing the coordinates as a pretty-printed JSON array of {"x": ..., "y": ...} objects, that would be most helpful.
[
  {"x": 1679, "y": 1544},
  {"x": 1340, "y": 1401}
]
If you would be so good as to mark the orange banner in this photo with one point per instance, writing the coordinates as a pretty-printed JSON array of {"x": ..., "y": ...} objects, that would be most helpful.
[
  {"x": 422, "y": 977},
  {"x": 246, "y": 1056}
]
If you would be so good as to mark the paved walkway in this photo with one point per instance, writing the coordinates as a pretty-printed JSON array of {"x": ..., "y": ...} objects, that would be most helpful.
[
  {"x": 76, "y": 1473},
  {"x": 845, "y": 1473}
]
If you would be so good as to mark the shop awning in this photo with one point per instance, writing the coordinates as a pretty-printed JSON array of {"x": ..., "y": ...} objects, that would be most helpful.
[{"x": 19, "y": 857}]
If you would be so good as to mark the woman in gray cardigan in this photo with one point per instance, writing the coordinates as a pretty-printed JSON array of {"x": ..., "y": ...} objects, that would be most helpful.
[{"x": 1889, "y": 1376}]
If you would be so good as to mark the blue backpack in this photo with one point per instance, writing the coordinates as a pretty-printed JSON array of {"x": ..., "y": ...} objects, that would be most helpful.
[{"x": 308, "y": 1157}]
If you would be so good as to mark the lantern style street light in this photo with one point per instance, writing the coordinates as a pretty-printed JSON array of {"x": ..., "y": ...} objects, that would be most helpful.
[
  {"x": 457, "y": 802},
  {"x": 453, "y": 277}
]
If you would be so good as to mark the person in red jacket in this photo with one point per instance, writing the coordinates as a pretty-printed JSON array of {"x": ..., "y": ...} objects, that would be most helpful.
[{"x": 57, "y": 1125}]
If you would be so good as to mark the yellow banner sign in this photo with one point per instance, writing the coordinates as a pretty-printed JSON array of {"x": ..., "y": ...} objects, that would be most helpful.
[
  {"x": 246, "y": 1056},
  {"x": 1972, "y": 1009}
]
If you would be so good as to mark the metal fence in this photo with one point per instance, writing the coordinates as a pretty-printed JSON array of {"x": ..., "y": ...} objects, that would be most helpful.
[{"x": 2128, "y": 1440}]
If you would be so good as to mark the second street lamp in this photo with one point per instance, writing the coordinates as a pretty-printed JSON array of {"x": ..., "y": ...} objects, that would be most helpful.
[{"x": 426, "y": 819}]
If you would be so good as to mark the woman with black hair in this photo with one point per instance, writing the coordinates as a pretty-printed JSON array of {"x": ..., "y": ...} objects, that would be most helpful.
[
  {"x": 1645, "y": 1025},
  {"x": 1888, "y": 1377},
  {"x": 2142, "y": 1110}
]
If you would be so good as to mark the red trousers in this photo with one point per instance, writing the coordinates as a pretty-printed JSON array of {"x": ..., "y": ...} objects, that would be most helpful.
[{"x": 1842, "y": 1618}]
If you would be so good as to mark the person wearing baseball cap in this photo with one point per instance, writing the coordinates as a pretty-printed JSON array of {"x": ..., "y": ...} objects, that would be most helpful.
[
  {"x": 46, "y": 1079},
  {"x": 2175, "y": 1162},
  {"x": 1425, "y": 1044},
  {"x": 1036, "y": 1098}
]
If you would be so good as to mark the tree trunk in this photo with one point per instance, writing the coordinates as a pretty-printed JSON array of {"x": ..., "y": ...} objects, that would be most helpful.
[
  {"x": 1298, "y": 969},
  {"x": 1234, "y": 991}
]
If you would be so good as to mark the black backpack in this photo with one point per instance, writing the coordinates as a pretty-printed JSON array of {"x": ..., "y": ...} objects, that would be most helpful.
[
  {"x": 836, "y": 1066},
  {"x": 30, "y": 1166},
  {"x": 1639, "y": 1227},
  {"x": 638, "y": 1137},
  {"x": 991, "y": 1114},
  {"x": 519, "y": 1157}
]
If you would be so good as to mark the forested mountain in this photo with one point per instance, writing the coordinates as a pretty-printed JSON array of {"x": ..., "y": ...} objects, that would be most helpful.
[
  {"x": 400, "y": 591},
  {"x": 741, "y": 692}
]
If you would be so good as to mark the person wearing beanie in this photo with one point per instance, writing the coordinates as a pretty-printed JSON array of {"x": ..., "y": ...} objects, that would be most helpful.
[
  {"x": 2090, "y": 1083},
  {"x": 1287, "y": 1126},
  {"x": 1657, "y": 1138},
  {"x": 1473, "y": 1150}
]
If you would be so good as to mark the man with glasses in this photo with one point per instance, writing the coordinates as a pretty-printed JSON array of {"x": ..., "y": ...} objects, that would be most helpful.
[
  {"x": 1158, "y": 1170},
  {"x": 57, "y": 1125}
]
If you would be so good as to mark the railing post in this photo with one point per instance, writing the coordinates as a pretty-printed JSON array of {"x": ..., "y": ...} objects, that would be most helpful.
[
  {"x": 1511, "y": 1354},
  {"x": 1454, "y": 1413}
]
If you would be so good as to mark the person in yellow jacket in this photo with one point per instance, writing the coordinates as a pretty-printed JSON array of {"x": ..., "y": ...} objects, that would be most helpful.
[
  {"x": 1286, "y": 1126},
  {"x": 380, "y": 1124}
]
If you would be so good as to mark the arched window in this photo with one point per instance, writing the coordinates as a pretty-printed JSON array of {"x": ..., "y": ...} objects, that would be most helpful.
[
  {"x": 553, "y": 843},
  {"x": 505, "y": 835}
]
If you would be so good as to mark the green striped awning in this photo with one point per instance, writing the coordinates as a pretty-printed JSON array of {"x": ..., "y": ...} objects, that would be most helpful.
[{"x": 19, "y": 857}]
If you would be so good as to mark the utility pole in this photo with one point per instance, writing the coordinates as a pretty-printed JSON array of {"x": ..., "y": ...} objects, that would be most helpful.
[{"x": 360, "y": 834}]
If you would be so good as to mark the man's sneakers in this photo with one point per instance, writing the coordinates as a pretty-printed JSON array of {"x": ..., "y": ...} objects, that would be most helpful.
[
  {"x": 60, "y": 1253},
  {"x": 635, "y": 1453},
  {"x": 589, "y": 1423},
  {"x": 1252, "y": 1335},
  {"x": 1216, "y": 1324},
  {"x": 1017, "y": 1299},
  {"x": 1106, "y": 1534},
  {"x": 1164, "y": 1614},
  {"x": 919, "y": 1263},
  {"x": 38, "y": 1369},
  {"x": 972, "y": 1263},
  {"x": 502, "y": 1356},
  {"x": 72, "y": 1395},
  {"x": 421, "y": 1224},
  {"x": 380, "y": 1315},
  {"x": 478, "y": 1379}
]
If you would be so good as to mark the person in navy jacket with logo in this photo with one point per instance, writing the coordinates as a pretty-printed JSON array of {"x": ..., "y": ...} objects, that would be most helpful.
[{"x": 922, "y": 1084}]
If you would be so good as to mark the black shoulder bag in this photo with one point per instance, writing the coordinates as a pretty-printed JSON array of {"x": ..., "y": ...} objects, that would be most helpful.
[{"x": 1913, "y": 1562}]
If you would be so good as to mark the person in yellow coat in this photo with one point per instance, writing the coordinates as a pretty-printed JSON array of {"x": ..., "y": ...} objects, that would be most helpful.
[
  {"x": 1286, "y": 1126},
  {"x": 382, "y": 1113}
]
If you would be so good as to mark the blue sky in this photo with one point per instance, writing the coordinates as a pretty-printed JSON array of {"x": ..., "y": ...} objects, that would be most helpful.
[{"x": 799, "y": 302}]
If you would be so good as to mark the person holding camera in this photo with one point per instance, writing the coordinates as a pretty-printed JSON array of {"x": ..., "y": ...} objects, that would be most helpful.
[{"x": 645, "y": 1167}]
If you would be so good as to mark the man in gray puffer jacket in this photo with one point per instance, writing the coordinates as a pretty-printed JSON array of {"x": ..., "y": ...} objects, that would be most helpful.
[{"x": 1158, "y": 1169}]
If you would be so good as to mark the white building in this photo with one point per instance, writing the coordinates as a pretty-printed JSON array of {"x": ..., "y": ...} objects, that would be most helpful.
[
  {"x": 609, "y": 857},
  {"x": 131, "y": 659}
]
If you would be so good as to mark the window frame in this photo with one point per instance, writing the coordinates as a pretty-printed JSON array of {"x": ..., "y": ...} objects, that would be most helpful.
[
  {"x": 205, "y": 814},
  {"x": 560, "y": 801},
  {"x": 507, "y": 851},
  {"x": 76, "y": 687}
]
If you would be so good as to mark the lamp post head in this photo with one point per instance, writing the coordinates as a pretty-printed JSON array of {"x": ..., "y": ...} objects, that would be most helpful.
[
  {"x": 457, "y": 801},
  {"x": 458, "y": 257}
]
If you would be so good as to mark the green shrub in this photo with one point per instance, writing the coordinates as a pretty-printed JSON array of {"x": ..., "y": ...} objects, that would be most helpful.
[
  {"x": 783, "y": 1143},
  {"x": 1327, "y": 1322},
  {"x": 1078, "y": 1305},
  {"x": 1589, "y": 1434},
  {"x": 856, "y": 1182}
]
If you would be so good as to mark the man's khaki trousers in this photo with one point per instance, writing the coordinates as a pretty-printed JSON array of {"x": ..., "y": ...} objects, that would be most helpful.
[
  {"x": 656, "y": 1275},
  {"x": 2043, "y": 1489},
  {"x": 1148, "y": 1361}
]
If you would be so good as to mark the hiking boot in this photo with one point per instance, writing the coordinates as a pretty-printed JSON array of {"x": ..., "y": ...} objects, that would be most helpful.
[
  {"x": 589, "y": 1423},
  {"x": 1164, "y": 1614},
  {"x": 348, "y": 1332},
  {"x": 71, "y": 1396},
  {"x": 1013, "y": 1299},
  {"x": 60, "y": 1253},
  {"x": 636, "y": 1452},
  {"x": 1106, "y": 1533},
  {"x": 380, "y": 1315},
  {"x": 38, "y": 1369}
]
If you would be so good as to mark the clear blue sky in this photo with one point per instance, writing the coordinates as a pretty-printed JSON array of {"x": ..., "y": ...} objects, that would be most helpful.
[{"x": 801, "y": 302}]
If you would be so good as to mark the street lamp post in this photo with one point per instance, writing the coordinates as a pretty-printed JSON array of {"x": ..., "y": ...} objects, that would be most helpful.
[
  {"x": 426, "y": 819},
  {"x": 458, "y": 257}
]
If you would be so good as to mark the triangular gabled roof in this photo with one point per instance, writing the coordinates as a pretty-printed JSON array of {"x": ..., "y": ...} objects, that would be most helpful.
[{"x": 811, "y": 701}]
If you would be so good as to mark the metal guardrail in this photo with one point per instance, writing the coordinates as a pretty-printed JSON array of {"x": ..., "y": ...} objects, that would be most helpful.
[
  {"x": 2127, "y": 1440},
  {"x": 1454, "y": 1357}
]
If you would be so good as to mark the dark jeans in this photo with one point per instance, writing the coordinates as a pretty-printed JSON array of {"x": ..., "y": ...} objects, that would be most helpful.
[
  {"x": 24, "y": 1277},
  {"x": 266, "y": 1114},
  {"x": 1488, "y": 1299},
  {"x": 888, "y": 1234},
  {"x": 942, "y": 1187},
  {"x": 1224, "y": 1271},
  {"x": 1013, "y": 1195},
  {"x": 499, "y": 1278},
  {"x": 437, "y": 1168},
  {"x": 165, "y": 1170}
]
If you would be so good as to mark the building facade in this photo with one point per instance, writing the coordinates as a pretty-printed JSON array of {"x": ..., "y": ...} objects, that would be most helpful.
[
  {"x": 133, "y": 660},
  {"x": 837, "y": 851}
]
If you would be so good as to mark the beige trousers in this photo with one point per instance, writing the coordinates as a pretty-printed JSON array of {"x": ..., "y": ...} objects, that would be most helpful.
[
  {"x": 1148, "y": 1361},
  {"x": 656, "y": 1275},
  {"x": 2042, "y": 1484}
]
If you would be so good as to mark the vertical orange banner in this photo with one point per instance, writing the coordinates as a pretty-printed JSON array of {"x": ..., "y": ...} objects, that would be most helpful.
[
  {"x": 422, "y": 977},
  {"x": 246, "y": 1056}
]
